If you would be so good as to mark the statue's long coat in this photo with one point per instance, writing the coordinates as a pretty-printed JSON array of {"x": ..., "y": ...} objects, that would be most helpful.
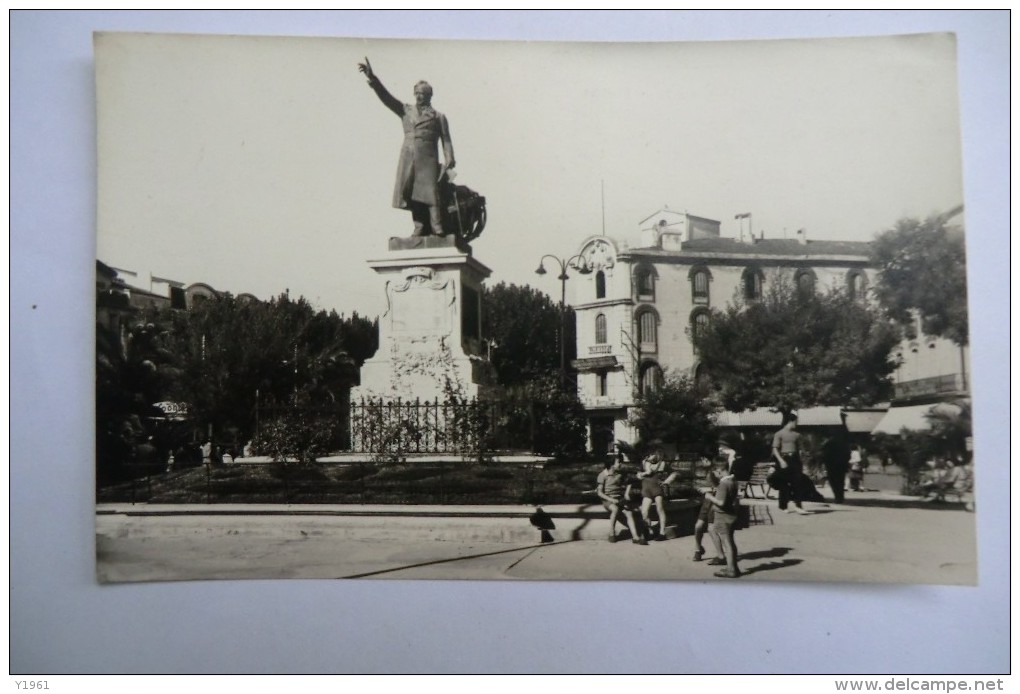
[{"x": 418, "y": 167}]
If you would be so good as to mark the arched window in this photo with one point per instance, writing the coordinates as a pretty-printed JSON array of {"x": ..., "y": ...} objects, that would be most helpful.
[
  {"x": 648, "y": 324},
  {"x": 699, "y": 323},
  {"x": 699, "y": 285},
  {"x": 805, "y": 281},
  {"x": 651, "y": 378},
  {"x": 644, "y": 282},
  {"x": 600, "y": 285},
  {"x": 752, "y": 281},
  {"x": 600, "y": 329},
  {"x": 856, "y": 285}
]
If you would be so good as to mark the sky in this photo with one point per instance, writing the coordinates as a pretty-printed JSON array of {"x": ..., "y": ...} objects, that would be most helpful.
[{"x": 262, "y": 164}]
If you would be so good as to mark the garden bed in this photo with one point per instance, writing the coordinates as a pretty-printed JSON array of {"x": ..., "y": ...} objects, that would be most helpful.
[{"x": 452, "y": 482}]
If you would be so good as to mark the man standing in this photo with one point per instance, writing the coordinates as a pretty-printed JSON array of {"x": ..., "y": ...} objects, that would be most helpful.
[
  {"x": 786, "y": 451},
  {"x": 418, "y": 170}
]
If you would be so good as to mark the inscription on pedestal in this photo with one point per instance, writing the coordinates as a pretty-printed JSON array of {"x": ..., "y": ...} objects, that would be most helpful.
[{"x": 421, "y": 304}]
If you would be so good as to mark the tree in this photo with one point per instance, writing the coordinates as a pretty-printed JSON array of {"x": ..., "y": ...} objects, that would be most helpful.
[
  {"x": 298, "y": 437},
  {"x": 678, "y": 413},
  {"x": 131, "y": 376},
  {"x": 553, "y": 414},
  {"x": 525, "y": 325},
  {"x": 788, "y": 350},
  {"x": 228, "y": 357},
  {"x": 923, "y": 270}
]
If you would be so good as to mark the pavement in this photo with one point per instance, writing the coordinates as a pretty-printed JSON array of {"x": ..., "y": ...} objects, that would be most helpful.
[{"x": 876, "y": 536}]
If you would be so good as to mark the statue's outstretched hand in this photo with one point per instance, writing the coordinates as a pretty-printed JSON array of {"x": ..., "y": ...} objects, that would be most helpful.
[{"x": 366, "y": 68}]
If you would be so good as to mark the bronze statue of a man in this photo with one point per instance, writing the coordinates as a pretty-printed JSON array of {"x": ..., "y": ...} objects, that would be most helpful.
[{"x": 418, "y": 170}]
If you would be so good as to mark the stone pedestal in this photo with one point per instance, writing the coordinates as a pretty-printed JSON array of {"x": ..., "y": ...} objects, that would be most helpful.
[{"x": 430, "y": 341}]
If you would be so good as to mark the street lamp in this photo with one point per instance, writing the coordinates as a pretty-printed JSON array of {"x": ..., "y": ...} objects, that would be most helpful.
[{"x": 563, "y": 277}]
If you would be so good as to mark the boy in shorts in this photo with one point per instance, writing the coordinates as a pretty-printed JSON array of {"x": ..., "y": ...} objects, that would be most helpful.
[
  {"x": 612, "y": 491},
  {"x": 726, "y": 503},
  {"x": 654, "y": 490},
  {"x": 706, "y": 516}
]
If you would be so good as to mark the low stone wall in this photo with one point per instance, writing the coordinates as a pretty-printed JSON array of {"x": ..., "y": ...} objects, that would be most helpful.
[{"x": 511, "y": 524}]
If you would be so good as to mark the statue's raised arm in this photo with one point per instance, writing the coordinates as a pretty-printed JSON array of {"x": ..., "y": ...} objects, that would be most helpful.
[{"x": 391, "y": 102}]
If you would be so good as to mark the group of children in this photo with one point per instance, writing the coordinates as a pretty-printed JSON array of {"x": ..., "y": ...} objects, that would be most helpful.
[{"x": 718, "y": 513}]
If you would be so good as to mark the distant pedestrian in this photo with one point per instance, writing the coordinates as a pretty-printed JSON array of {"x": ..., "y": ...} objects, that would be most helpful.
[
  {"x": 740, "y": 456},
  {"x": 836, "y": 455},
  {"x": 727, "y": 509},
  {"x": 207, "y": 451},
  {"x": 786, "y": 451},
  {"x": 856, "y": 470},
  {"x": 613, "y": 491}
]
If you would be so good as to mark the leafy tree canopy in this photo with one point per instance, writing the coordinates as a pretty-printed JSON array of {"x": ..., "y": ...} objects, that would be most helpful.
[
  {"x": 283, "y": 348},
  {"x": 789, "y": 351},
  {"x": 224, "y": 355},
  {"x": 525, "y": 325},
  {"x": 923, "y": 269},
  {"x": 678, "y": 413}
]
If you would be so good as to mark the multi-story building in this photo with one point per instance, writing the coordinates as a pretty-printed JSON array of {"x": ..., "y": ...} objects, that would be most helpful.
[{"x": 639, "y": 300}]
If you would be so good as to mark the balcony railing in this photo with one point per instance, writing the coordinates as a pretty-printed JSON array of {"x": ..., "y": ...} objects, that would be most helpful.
[
  {"x": 600, "y": 349},
  {"x": 934, "y": 385}
]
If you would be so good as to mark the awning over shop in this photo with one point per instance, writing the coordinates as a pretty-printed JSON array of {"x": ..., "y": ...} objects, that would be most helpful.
[
  {"x": 863, "y": 421},
  {"x": 820, "y": 416},
  {"x": 911, "y": 417},
  {"x": 760, "y": 417},
  {"x": 767, "y": 417},
  {"x": 594, "y": 363}
]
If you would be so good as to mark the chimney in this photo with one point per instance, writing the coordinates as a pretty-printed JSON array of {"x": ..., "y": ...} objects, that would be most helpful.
[{"x": 802, "y": 237}]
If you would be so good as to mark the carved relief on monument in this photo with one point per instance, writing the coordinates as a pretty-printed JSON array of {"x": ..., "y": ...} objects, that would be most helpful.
[
  {"x": 598, "y": 254},
  {"x": 421, "y": 304}
]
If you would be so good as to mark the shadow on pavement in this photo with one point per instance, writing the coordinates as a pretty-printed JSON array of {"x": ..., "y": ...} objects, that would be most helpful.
[
  {"x": 766, "y": 553},
  {"x": 771, "y": 566},
  {"x": 575, "y": 534},
  {"x": 905, "y": 503},
  {"x": 450, "y": 560}
]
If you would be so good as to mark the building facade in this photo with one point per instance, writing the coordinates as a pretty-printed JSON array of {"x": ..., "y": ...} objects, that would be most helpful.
[{"x": 639, "y": 301}]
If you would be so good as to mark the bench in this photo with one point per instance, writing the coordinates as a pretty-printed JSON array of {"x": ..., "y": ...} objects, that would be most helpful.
[
  {"x": 759, "y": 478},
  {"x": 962, "y": 490},
  {"x": 685, "y": 472}
]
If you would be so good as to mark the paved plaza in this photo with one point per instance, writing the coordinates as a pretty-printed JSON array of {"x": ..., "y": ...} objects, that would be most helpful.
[{"x": 877, "y": 536}]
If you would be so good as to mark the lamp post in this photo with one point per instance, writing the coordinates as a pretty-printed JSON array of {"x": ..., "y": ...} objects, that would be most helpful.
[{"x": 563, "y": 277}]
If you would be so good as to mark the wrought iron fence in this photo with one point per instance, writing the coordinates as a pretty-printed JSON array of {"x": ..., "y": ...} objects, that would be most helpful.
[{"x": 465, "y": 428}]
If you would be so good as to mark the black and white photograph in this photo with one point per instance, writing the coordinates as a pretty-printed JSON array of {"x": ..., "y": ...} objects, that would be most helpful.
[
  {"x": 351, "y": 342},
  {"x": 683, "y": 311}
]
